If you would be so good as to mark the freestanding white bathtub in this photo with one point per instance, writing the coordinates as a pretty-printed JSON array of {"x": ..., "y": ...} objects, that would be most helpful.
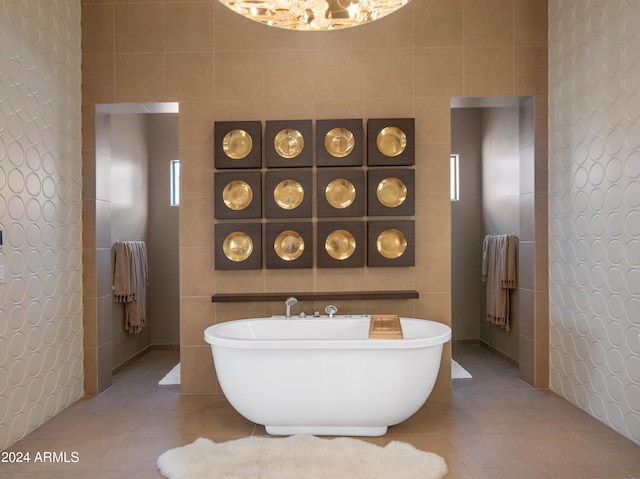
[{"x": 324, "y": 376}]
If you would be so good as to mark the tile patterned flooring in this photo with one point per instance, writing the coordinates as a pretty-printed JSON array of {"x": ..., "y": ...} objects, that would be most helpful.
[{"x": 492, "y": 426}]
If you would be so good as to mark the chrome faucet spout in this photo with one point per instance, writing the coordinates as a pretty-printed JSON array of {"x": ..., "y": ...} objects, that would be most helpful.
[{"x": 288, "y": 303}]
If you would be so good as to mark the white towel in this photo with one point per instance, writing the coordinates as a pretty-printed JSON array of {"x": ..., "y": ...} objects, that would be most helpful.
[{"x": 130, "y": 282}]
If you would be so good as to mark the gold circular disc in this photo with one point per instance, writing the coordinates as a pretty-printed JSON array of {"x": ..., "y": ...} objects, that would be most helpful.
[
  {"x": 289, "y": 245},
  {"x": 237, "y": 144},
  {"x": 340, "y": 193},
  {"x": 340, "y": 244},
  {"x": 391, "y": 192},
  {"x": 288, "y": 194},
  {"x": 237, "y": 195},
  {"x": 237, "y": 246},
  {"x": 391, "y": 141},
  {"x": 288, "y": 143},
  {"x": 339, "y": 142},
  {"x": 391, "y": 243}
]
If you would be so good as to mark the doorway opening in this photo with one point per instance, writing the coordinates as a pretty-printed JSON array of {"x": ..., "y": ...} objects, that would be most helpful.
[
  {"x": 500, "y": 190},
  {"x": 129, "y": 198}
]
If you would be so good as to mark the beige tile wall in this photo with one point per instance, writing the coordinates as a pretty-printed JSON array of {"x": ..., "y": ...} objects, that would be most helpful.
[{"x": 220, "y": 66}]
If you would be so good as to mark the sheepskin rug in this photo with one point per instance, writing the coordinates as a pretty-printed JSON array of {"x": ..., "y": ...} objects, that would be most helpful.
[{"x": 296, "y": 457}]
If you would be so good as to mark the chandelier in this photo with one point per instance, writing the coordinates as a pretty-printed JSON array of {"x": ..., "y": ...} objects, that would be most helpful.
[{"x": 314, "y": 15}]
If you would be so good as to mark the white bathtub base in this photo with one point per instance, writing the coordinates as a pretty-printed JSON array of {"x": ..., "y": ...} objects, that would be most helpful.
[{"x": 327, "y": 430}]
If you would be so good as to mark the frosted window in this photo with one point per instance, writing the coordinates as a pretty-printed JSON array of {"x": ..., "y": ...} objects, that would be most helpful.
[{"x": 175, "y": 182}]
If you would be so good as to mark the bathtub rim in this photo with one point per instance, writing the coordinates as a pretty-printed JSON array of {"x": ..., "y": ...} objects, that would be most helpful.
[{"x": 213, "y": 337}]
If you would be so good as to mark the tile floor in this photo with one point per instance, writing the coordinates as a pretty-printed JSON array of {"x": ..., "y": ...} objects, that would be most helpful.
[{"x": 492, "y": 426}]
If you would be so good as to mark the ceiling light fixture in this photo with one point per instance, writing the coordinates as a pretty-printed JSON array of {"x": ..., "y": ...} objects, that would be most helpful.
[{"x": 314, "y": 15}]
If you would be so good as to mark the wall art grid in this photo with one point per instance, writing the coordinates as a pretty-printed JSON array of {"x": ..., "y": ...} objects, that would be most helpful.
[{"x": 285, "y": 198}]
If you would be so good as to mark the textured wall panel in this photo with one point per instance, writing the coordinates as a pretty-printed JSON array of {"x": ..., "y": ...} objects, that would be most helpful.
[
  {"x": 594, "y": 99},
  {"x": 40, "y": 213}
]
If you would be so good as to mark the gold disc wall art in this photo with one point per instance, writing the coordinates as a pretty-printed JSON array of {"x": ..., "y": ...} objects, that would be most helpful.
[
  {"x": 237, "y": 144},
  {"x": 237, "y": 246},
  {"x": 340, "y": 193},
  {"x": 391, "y": 243},
  {"x": 391, "y": 192},
  {"x": 346, "y": 193},
  {"x": 340, "y": 244},
  {"x": 288, "y": 143},
  {"x": 237, "y": 195},
  {"x": 391, "y": 142},
  {"x": 289, "y": 245},
  {"x": 339, "y": 142},
  {"x": 288, "y": 194}
]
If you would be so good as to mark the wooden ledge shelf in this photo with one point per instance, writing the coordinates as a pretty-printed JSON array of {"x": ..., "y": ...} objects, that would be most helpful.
[{"x": 314, "y": 296}]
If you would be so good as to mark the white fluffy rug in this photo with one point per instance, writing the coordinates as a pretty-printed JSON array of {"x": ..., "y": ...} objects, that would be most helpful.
[{"x": 297, "y": 457}]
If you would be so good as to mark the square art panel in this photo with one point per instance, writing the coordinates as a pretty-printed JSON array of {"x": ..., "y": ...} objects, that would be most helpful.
[
  {"x": 391, "y": 243},
  {"x": 289, "y": 143},
  {"x": 237, "y": 194},
  {"x": 288, "y": 193},
  {"x": 339, "y": 142},
  {"x": 391, "y": 142},
  {"x": 340, "y": 192},
  {"x": 391, "y": 192},
  {"x": 340, "y": 244},
  {"x": 237, "y": 144},
  {"x": 238, "y": 246},
  {"x": 289, "y": 245}
]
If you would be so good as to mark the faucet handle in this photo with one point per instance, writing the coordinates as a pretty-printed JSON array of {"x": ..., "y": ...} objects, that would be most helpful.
[{"x": 331, "y": 310}]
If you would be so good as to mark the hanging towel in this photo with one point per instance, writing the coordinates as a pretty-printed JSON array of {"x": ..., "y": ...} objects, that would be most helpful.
[
  {"x": 499, "y": 266},
  {"x": 130, "y": 283},
  {"x": 508, "y": 258}
]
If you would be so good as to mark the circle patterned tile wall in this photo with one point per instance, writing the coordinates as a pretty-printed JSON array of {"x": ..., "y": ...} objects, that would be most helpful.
[
  {"x": 594, "y": 188},
  {"x": 40, "y": 213}
]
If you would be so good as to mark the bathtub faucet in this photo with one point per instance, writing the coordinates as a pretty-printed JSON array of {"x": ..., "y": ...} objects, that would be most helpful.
[
  {"x": 331, "y": 310},
  {"x": 289, "y": 302}
]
